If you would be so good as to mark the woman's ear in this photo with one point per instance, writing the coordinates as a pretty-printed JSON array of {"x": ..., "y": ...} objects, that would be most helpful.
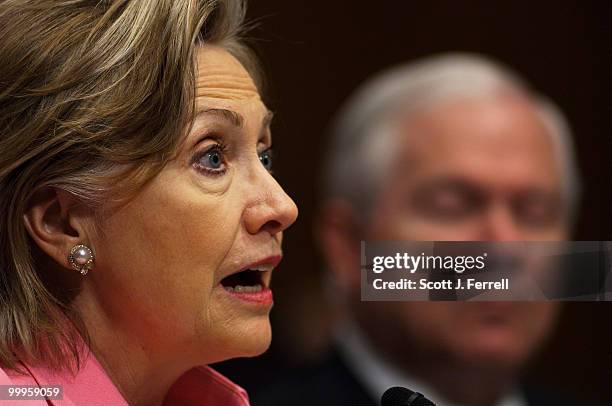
[{"x": 56, "y": 222}]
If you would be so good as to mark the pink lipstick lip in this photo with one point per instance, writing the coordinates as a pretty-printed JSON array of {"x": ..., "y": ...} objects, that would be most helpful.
[
  {"x": 272, "y": 260},
  {"x": 264, "y": 297}
]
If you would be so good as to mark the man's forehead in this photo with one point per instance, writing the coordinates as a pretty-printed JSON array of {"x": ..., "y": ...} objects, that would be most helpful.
[
  {"x": 502, "y": 123},
  {"x": 492, "y": 139},
  {"x": 221, "y": 76}
]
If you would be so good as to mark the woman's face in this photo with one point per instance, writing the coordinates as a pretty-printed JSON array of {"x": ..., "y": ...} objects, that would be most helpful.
[{"x": 164, "y": 263}]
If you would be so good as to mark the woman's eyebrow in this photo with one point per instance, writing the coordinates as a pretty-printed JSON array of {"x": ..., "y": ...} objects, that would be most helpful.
[
  {"x": 236, "y": 118},
  {"x": 233, "y": 117},
  {"x": 267, "y": 119}
]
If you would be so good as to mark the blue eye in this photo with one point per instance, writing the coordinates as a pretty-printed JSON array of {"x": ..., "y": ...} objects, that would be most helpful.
[
  {"x": 211, "y": 161},
  {"x": 266, "y": 158}
]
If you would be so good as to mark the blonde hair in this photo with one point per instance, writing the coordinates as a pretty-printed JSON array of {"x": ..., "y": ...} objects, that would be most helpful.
[{"x": 95, "y": 97}]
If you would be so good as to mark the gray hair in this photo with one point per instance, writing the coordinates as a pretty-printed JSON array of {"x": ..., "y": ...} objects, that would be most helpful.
[{"x": 363, "y": 131}]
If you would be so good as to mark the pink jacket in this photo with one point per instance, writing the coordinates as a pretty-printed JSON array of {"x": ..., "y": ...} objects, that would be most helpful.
[{"x": 91, "y": 386}]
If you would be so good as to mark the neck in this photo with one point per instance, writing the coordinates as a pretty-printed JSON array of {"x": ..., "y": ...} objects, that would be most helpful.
[
  {"x": 463, "y": 385},
  {"x": 458, "y": 382},
  {"x": 142, "y": 367}
]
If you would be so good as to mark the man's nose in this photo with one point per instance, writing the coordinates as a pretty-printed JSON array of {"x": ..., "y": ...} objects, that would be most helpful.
[
  {"x": 499, "y": 224},
  {"x": 270, "y": 209}
]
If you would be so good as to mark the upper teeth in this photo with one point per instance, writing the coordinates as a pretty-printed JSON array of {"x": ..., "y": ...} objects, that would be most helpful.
[{"x": 262, "y": 268}]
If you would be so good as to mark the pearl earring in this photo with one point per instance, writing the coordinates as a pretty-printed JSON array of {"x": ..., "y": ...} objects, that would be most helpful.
[{"x": 81, "y": 258}]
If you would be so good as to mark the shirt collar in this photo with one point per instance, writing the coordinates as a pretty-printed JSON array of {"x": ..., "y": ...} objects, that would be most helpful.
[
  {"x": 92, "y": 386},
  {"x": 377, "y": 375}
]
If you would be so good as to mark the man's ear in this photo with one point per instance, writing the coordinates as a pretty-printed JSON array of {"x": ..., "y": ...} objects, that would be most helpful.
[
  {"x": 56, "y": 222},
  {"x": 339, "y": 236}
]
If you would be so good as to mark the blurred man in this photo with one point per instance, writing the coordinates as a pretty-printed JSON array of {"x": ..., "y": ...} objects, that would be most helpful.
[{"x": 450, "y": 148}]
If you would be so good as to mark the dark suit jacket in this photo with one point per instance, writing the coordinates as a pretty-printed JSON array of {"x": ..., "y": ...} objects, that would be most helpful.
[{"x": 331, "y": 383}]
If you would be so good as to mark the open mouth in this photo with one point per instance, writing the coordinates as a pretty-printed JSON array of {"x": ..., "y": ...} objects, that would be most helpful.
[{"x": 247, "y": 281}]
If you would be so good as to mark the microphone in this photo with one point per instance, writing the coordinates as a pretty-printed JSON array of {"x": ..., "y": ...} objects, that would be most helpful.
[{"x": 399, "y": 396}]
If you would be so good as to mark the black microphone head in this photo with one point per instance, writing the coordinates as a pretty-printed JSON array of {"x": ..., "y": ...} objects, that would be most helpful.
[{"x": 398, "y": 396}]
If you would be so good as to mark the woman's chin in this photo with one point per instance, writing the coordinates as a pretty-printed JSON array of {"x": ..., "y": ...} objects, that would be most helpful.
[
  {"x": 257, "y": 340},
  {"x": 249, "y": 338}
]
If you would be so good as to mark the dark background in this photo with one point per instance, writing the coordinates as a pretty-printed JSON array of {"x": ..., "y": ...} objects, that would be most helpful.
[{"x": 315, "y": 53}]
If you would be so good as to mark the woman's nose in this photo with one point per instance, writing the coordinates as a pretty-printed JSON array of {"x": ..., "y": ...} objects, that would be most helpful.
[{"x": 270, "y": 209}]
